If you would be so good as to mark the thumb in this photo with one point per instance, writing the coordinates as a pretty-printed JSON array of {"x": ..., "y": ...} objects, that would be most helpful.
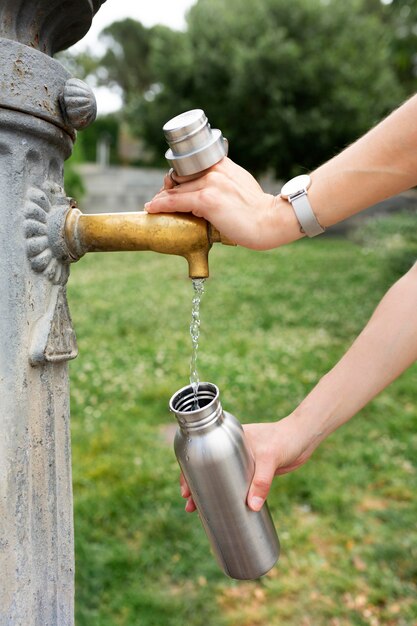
[{"x": 261, "y": 483}]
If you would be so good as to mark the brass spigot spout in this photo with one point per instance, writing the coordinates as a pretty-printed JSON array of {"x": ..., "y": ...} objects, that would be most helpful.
[{"x": 176, "y": 233}]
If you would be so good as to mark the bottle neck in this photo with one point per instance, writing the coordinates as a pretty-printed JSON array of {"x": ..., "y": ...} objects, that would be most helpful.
[{"x": 197, "y": 411}]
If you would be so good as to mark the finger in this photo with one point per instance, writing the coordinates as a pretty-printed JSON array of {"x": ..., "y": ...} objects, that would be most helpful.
[
  {"x": 195, "y": 183},
  {"x": 172, "y": 202},
  {"x": 185, "y": 490},
  {"x": 226, "y": 167},
  {"x": 190, "y": 507},
  {"x": 168, "y": 182},
  {"x": 186, "y": 493},
  {"x": 261, "y": 484},
  {"x": 172, "y": 179},
  {"x": 180, "y": 180}
]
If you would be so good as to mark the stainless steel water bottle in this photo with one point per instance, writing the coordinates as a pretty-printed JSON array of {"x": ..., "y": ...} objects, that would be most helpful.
[{"x": 218, "y": 465}]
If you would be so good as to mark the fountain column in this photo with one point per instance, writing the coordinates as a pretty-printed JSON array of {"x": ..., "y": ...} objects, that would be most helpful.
[{"x": 41, "y": 107}]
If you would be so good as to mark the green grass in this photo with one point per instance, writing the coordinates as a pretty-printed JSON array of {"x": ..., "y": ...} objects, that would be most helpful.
[{"x": 271, "y": 324}]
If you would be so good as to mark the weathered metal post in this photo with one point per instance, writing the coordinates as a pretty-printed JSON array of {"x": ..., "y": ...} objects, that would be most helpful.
[{"x": 40, "y": 108}]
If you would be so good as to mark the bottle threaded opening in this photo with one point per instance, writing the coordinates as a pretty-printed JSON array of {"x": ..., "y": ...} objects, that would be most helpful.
[{"x": 187, "y": 401}]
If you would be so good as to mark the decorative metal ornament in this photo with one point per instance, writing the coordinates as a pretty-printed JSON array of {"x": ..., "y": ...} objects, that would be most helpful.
[
  {"x": 44, "y": 210},
  {"x": 78, "y": 103}
]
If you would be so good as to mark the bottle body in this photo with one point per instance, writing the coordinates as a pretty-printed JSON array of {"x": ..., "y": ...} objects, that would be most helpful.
[{"x": 218, "y": 465}]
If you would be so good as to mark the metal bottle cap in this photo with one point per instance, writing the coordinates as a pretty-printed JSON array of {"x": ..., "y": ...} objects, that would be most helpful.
[{"x": 193, "y": 144}]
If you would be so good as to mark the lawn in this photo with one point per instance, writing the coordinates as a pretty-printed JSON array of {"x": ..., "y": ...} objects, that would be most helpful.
[{"x": 271, "y": 324}]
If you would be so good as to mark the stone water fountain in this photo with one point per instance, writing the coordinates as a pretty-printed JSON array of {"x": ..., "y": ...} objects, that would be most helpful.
[{"x": 41, "y": 233}]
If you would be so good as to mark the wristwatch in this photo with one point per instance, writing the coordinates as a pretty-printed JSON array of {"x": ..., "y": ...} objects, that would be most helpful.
[{"x": 295, "y": 191}]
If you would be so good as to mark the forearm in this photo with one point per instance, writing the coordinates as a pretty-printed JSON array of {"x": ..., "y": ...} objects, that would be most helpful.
[
  {"x": 379, "y": 165},
  {"x": 385, "y": 348}
]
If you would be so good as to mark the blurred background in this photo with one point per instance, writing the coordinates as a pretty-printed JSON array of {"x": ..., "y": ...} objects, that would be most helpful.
[{"x": 289, "y": 84}]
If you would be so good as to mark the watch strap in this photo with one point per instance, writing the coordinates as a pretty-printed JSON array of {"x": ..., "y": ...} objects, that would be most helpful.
[{"x": 305, "y": 214}]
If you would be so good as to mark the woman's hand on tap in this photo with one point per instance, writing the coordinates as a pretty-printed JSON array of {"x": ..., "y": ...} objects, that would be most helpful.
[{"x": 230, "y": 198}]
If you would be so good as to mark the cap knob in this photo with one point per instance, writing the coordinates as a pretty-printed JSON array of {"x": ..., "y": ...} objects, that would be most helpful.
[{"x": 193, "y": 144}]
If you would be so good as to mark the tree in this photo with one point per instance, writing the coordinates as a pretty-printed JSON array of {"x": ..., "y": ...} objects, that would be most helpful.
[
  {"x": 400, "y": 17},
  {"x": 126, "y": 60},
  {"x": 288, "y": 83}
]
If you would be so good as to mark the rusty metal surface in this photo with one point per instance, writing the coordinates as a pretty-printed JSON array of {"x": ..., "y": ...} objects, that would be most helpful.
[
  {"x": 47, "y": 25},
  {"x": 34, "y": 83}
]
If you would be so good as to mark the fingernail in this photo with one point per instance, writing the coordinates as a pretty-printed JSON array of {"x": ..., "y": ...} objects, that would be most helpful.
[
  {"x": 256, "y": 503},
  {"x": 147, "y": 205},
  {"x": 183, "y": 492}
]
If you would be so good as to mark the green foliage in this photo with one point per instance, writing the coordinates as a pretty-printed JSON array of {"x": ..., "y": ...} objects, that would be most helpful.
[
  {"x": 105, "y": 126},
  {"x": 82, "y": 64},
  {"x": 73, "y": 182},
  {"x": 400, "y": 16},
  {"x": 272, "y": 324},
  {"x": 403, "y": 21},
  {"x": 394, "y": 239},
  {"x": 126, "y": 61},
  {"x": 172, "y": 61},
  {"x": 288, "y": 83}
]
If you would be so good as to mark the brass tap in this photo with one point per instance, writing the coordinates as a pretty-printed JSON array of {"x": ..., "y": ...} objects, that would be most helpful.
[{"x": 170, "y": 233}]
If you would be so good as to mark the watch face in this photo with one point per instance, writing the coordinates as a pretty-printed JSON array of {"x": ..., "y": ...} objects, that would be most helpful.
[{"x": 299, "y": 183}]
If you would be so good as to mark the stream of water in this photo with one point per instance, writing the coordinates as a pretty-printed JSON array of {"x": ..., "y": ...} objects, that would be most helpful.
[{"x": 198, "y": 287}]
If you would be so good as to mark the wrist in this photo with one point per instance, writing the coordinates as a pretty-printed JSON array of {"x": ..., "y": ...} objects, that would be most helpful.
[
  {"x": 310, "y": 427},
  {"x": 320, "y": 413},
  {"x": 295, "y": 191},
  {"x": 281, "y": 225}
]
